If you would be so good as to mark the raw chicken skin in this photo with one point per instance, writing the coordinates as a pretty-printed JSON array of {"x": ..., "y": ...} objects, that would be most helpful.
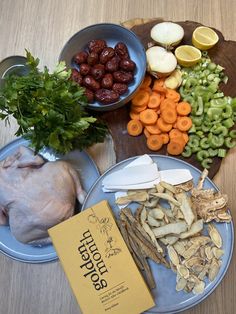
[{"x": 36, "y": 195}]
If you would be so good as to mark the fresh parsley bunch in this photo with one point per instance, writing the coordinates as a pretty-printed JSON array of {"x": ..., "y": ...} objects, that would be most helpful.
[{"x": 50, "y": 109}]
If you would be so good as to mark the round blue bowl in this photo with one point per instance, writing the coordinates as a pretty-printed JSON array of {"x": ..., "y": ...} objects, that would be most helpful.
[{"x": 112, "y": 34}]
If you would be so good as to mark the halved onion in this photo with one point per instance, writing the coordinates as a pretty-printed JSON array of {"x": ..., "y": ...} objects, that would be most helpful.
[
  {"x": 160, "y": 62},
  {"x": 167, "y": 34}
]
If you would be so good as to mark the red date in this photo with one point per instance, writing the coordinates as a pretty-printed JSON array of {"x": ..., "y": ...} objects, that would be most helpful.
[
  {"x": 91, "y": 83},
  {"x": 89, "y": 94},
  {"x": 107, "y": 81},
  {"x": 127, "y": 65},
  {"x": 97, "y": 45},
  {"x": 122, "y": 50},
  {"x": 98, "y": 71},
  {"x": 123, "y": 77},
  {"x": 120, "y": 88},
  {"x": 106, "y": 96},
  {"x": 76, "y": 76},
  {"x": 81, "y": 57},
  {"x": 106, "y": 55},
  {"x": 112, "y": 65},
  {"x": 84, "y": 69},
  {"x": 92, "y": 58}
]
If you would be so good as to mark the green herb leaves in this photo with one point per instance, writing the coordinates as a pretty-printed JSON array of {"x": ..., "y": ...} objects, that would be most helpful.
[{"x": 50, "y": 109}]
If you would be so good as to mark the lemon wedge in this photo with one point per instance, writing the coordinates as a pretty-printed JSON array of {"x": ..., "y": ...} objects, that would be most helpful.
[
  {"x": 187, "y": 55},
  {"x": 204, "y": 38}
]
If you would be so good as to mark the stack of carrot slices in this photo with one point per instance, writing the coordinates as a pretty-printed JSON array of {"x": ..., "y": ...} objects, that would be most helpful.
[{"x": 158, "y": 112}]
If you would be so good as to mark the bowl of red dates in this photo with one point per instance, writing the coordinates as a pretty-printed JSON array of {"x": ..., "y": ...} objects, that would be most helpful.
[{"x": 109, "y": 61}]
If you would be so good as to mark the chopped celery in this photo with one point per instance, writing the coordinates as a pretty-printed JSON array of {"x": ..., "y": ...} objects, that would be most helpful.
[
  {"x": 202, "y": 154},
  {"x": 206, "y": 163},
  {"x": 232, "y": 133},
  {"x": 187, "y": 151},
  {"x": 213, "y": 152},
  {"x": 229, "y": 142},
  {"x": 221, "y": 153}
]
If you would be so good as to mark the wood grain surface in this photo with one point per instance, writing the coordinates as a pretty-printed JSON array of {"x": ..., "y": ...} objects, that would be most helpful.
[{"x": 43, "y": 26}]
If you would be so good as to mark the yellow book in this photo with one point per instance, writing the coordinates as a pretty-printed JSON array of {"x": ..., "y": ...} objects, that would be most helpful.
[{"x": 98, "y": 264}]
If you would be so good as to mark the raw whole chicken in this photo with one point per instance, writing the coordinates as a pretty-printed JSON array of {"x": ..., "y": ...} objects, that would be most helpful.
[{"x": 36, "y": 195}]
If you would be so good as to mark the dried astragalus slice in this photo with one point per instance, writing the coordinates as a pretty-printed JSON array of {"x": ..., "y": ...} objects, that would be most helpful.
[
  {"x": 199, "y": 287},
  {"x": 181, "y": 284},
  {"x": 185, "y": 207},
  {"x": 196, "y": 227},
  {"x": 174, "y": 257},
  {"x": 183, "y": 271},
  {"x": 215, "y": 236},
  {"x": 172, "y": 228},
  {"x": 213, "y": 269},
  {"x": 217, "y": 252}
]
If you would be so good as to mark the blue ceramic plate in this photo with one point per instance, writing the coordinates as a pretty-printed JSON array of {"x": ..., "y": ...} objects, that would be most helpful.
[
  {"x": 26, "y": 253},
  {"x": 166, "y": 297}
]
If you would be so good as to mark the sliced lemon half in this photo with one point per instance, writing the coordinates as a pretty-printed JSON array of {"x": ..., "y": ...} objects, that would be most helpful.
[
  {"x": 187, "y": 55},
  {"x": 204, "y": 38}
]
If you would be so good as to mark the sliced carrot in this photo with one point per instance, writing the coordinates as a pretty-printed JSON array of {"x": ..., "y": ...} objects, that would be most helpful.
[
  {"x": 162, "y": 96},
  {"x": 175, "y": 133},
  {"x": 184, "y": 123},
  {"x": 141, "y": 98},
  {"x": 169, "y": 115},
  {"x": 134, "y": 127},
  {"x": 165, "y": 137},
  {"x": 148, "y": 116},
  {"x": 158, "y": 88},
  {"x": 154, "y": 100},
  {"x": 185, "y": 137},
  {"x": 172, "y": 94},
  {"x": 153, "y": 129},
  {"x": 147, "y": 81},
  {"x": 146, "y": 133},
  {"x": 147, "y": 89},
  {"x": 167, "y": 103},
  {"x": 159, "y": 82},
  {"x": 134, "y": 115},
  {"x": 137, "y": 109},
  {"x": 163, "y": 126},
  {"x": 175, "y": 147},
  {"x": 183, "y": 108},
  {"x": 154, "y": 142}
]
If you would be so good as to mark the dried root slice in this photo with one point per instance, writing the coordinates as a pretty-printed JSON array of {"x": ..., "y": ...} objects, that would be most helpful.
[
  {"x": 157, "y": 213},
  {"x": 217, "y": 252},
  {"x": 185, "y": 208},
  {"x": 209, "y": 253},
  {"x": 152, "y": 221},
  {"x": 173, "y": 255},
  {"x": 213, "y": 270},
  {"x": 172, "y": 228},
  {"x": 136, "y": 197},
  {"x": 195, "y": 228},
  {"x": 184, "y": 187},
  {"x": 166, "y": 197},
  {"x": 196, "y": 260},
  {"x": 183, "y": 271},
  {"x": 199, "y": 287},
  {"x": 215, "y": 236},
  {"x": 181, "y": 284}
]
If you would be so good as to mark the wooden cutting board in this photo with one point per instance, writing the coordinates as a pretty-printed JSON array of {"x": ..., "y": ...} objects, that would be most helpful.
[{"x": 224, "y": 53}]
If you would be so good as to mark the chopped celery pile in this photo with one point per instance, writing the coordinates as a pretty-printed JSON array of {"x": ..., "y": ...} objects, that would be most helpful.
[{"x": 213, "y": 114}]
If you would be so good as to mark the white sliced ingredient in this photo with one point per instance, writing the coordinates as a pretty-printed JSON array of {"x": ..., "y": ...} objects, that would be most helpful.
[
  {"x": 142, "y": 160},
  {"x": 160, "y": 60},
  {"x": 167, "y": 33},
  {"x": 132, "y": 175},
  {"x": 175, "y": 176}
]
